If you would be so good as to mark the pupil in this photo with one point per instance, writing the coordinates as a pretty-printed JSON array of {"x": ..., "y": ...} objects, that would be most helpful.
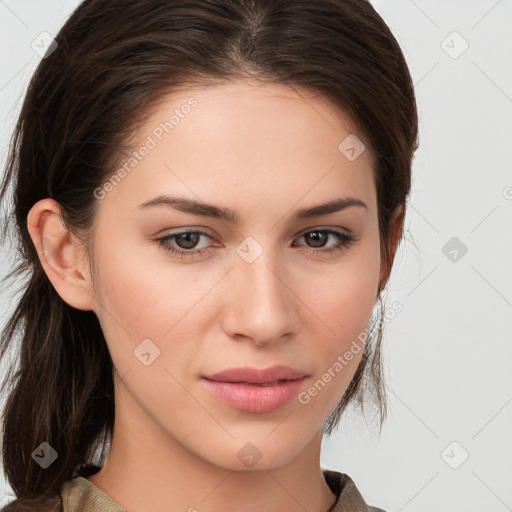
[
  {"x": 317, "y": 236},
  {"x": 189, "y": 244}
]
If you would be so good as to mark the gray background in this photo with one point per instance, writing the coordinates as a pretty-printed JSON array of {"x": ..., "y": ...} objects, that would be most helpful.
[{"x": 446, "y": 445}]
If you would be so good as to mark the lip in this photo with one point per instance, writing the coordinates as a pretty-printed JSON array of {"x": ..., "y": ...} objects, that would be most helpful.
[
  {"x": 257, "y": 375},
  {"x": 254, "y": 389}
]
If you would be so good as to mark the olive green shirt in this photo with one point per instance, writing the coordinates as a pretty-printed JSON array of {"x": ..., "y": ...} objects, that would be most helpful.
[{"x": 81, "y": 495}]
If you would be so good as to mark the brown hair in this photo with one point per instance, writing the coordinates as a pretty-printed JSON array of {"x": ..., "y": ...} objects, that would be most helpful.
[{"x": 113, "y": 63}]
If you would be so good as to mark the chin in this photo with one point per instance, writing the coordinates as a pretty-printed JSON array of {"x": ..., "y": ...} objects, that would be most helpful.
[{"x": 258, "y": 455}]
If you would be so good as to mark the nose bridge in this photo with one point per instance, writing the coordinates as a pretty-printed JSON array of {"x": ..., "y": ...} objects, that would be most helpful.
[
  {"x": 261, "y": 270},
  {"x": 263, "y": 301}
]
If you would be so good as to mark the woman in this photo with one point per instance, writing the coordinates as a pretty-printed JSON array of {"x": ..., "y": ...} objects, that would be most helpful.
[{"x": 208, "y": 197}]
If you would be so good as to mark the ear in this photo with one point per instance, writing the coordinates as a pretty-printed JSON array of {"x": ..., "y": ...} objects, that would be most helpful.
[
  {"x": 397, "y": 222},
  {"x": 62, "y": 257}
]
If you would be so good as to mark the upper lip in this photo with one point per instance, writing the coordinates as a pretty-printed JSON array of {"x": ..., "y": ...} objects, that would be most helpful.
[{"x": 257, "y": 375}]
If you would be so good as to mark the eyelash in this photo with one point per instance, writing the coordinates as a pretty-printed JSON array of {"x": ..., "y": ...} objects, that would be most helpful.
[{"x": 344, "y": 242}]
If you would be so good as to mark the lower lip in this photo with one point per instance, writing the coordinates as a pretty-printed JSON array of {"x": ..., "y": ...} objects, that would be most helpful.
[{"x": 253, "y": 398}]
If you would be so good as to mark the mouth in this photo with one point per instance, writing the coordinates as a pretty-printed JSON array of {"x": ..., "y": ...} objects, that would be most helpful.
[
  {"x": 261, "y": 376},
  {"x": 253, "y": 393}
]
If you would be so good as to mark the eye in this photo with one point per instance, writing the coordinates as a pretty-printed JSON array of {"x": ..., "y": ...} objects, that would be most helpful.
[
  {"x": 187, "y": 241},
  {"x": 320, "y": 236}
]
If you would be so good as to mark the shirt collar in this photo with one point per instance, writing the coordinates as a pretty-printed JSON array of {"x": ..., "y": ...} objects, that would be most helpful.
[{"x": 81, "y": 495}]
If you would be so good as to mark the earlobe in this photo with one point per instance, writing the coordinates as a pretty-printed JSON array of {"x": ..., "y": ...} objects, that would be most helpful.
[{"x": 61, "y": 257}]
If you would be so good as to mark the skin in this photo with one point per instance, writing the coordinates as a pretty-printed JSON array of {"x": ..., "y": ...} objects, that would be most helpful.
[{"x": 264, "y": 152}]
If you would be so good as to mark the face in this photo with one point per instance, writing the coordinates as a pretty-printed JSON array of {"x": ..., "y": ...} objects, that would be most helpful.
[{"x": 184, "y": 293}]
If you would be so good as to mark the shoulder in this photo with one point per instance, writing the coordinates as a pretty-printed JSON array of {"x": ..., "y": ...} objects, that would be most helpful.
[{"x": 349, "y": 497}]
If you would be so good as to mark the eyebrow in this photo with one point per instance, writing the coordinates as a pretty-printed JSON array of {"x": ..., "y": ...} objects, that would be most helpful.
[{"x": 208, "y": 210}]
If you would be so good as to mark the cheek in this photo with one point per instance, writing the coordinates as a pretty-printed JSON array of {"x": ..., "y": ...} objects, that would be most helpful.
[
  {"x": 345, "y": 295},
  {"x": 349, "y": 303},
  {"x": 161, "y": 300},
  {"x": 154, "y": 301},
  {"x": 340, "y": 340},
  {"x": 342, "y": 301},
  {"x": 131, "y": 298}
]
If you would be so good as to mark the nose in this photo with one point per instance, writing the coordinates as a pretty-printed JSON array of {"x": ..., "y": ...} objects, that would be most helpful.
[{"x": 261, "y": 304}]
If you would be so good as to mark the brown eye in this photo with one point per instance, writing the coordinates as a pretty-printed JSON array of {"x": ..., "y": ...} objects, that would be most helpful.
[
  {"x": 188, "y": 239},
  {"x": 317, "y": 239},
  {"x": 184, "y": 243}
]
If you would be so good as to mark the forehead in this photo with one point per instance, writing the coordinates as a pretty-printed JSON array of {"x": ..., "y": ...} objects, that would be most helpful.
[
  {"x": 244, "y": 139},
  {"x": 248, "y": 108}
]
